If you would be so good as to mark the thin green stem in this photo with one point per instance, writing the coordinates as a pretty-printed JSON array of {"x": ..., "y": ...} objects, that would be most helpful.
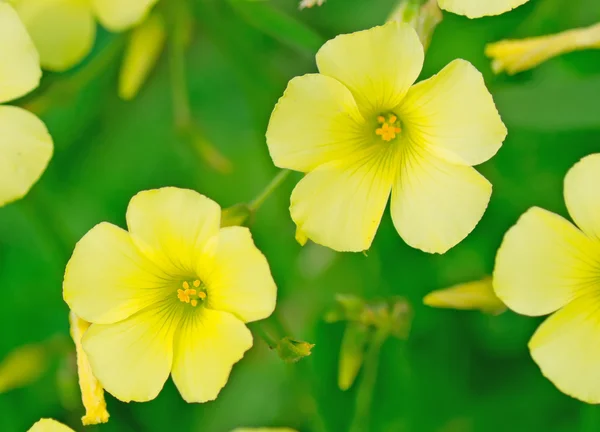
[
  {"x": 366, "y": 389},
  {"x": 259, "y": 329},
  {"x": 274, "y": 184}
]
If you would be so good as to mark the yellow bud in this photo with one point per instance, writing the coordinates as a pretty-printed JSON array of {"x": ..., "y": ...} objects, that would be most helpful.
[
  {"x": 477, "y": 295},
  {"x": 141, "y": 55},
  {"x": 237, "y": 215},
  {"x": 310, "y": 3},
  {"x": 22, "y": 367},
  {"x": 301, "y": 238},
  {"x": 423, "y": 18},
  {"x": 352, "y": 353},
  {"x": 92, "y": 393},
  {"x": 292, "y": 351}
]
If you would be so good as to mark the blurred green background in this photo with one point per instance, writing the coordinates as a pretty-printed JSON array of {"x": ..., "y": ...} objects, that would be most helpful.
[{"x": 458, "y": 372}]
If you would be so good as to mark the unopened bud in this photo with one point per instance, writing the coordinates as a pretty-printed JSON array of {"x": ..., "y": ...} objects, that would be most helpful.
[{"x": 292, "y": 350}]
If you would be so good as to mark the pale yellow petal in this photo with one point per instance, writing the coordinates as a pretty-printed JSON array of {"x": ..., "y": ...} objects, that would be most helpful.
[
  {"x": 436, "y": 204},
  {"x": 544, "y": 262},
  {"x": 63, "y": 31},
  {"x": 378, "y": 65},
  {"x": 340, "y": 204},
  {"x": 315, "y": 121},
  {"x": 453, "y": 115},
  {"x": 173, "y": 227},
  {"x": 566, "y": 348},
  {"x": 240, "y": 280},
  {"x": 480, "y": 8},
  {"x": 475, "y": 295},
  {"x": 107, "y": 279},
  {"x": 132, "y": 359},
  {"x": 49, "y": 425},
  {"x": 518, "y": 55},
  {"x": 20, "y": 64},
  {"x": 92, "y": 393},
  {"x": 582, "y": 194},
  {"x": 119, "y": 15},
  {"x": 145, "y": 45},
  {"x": 207, "y": 346},
  {"x": 25, "y": 150}
]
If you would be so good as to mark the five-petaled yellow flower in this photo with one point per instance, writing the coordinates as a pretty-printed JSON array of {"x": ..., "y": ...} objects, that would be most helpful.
[
  {"x": 479, "y": 8},
  {"x": 547, "y": 265},
  {"x": 361, "y": 131},
  {"x": 172, "y": 295},
  {"x": 25, "y": 145},
  {"x": 64, "y": 31}
]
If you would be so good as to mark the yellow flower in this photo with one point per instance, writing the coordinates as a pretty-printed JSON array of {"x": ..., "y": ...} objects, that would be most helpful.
[
  {"x": 49, "y": 425},
  {"x": 361, "y": 132},
  {"x": 92, "y": 393},
  {"x": 25, "y": 146},
  {"x": 518, "y": 55},
  {"x": 475, "y": 295},
  {"x": 64, "y": 30},
  {"x": 547, "y": 265},
  {"x": 171, "y": 295},
  {"x": 480, "y": 8}
]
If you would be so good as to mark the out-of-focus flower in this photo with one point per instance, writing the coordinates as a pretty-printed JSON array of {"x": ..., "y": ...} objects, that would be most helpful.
[
  {"x": 310, "y": 3},
  {"x": 361, "y": 131},
  {"x": 22, "y": 367},
  {"x": 424, "y": 18},
  {"x": 25, "y": 145},
  {"x": 171, "y": 295},
  {"x": 145, "y": 45},
  {"x": 49, "y": 425},
  {"x": 518, "y": 55},
  {"x": 547, "y": 265},
  {"x": 92, "y": 393},
  {"x": 476, "y": 295},
  {"x": 64, "y": 31},
  {"x": 480, "y": 8}
]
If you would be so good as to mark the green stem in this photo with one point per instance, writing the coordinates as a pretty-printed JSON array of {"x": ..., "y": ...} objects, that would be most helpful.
[
  {"x": 366, "y": 389},
  {"x": 259, "y": 329},
  {"x": 274, "y": 184}
]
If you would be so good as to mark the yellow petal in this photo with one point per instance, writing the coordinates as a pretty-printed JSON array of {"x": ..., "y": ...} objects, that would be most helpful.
[
  {"x": 92, "y": 393},
  {"x": 107, "y": 279},
  {"x": 566, "y": 349},
  {"x": 476, "y": 295},
  {"x": 207, "y": 346},
  {"x": 544, "y": 262},
  {"x": 582, "y": 194},
  {"x": 132, "y": 359},
  {"x": 240, "y": 281},
  {"x": 20, "y": 66},
  {"x": 143, "y": 50},
  {"x": 340, "y": 204},
  {"x": 173, "y": 227},
  {"x": 479, "y": 8},
  {"x": 63, "y": 31},
  {"x": 119, "y": 15},
  {"x": 436, "y": 204},
  {"x": 518, "y": 55},
  {"x": 377, "y": 65},
  {"x": 25, "y": 150},
  {"x": 49, "y": 425},
  {"x": 315, "y": 121},
  {"x": 453, "y": 115}
]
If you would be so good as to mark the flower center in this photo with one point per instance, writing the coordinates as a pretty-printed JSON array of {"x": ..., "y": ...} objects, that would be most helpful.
[
  {"x": 390, "y": 127},
  {"x": 192, "y": 292}
]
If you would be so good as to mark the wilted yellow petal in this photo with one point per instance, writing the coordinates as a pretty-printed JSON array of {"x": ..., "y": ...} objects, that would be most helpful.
[
  {"x": 207, "y": 345},
  {"x": 63, "y": 31},
  {"x": 25, "y": 150},
  {"x": 119, "y": 15},
  {"x": 582, "y": 194},
  {"x": 146, "y": 43},
  {"x": 518, "y": 55},
  {"x": 479, "y": 8},
  {"x": 19, "y": 61},
  {"x": 476, "y": 295},
  {"x": 92, "y": 393},
  {"x": 49, "y": 425},
  {"x": 566, "y": 349},
  {"x": 22, "y": 367}
]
